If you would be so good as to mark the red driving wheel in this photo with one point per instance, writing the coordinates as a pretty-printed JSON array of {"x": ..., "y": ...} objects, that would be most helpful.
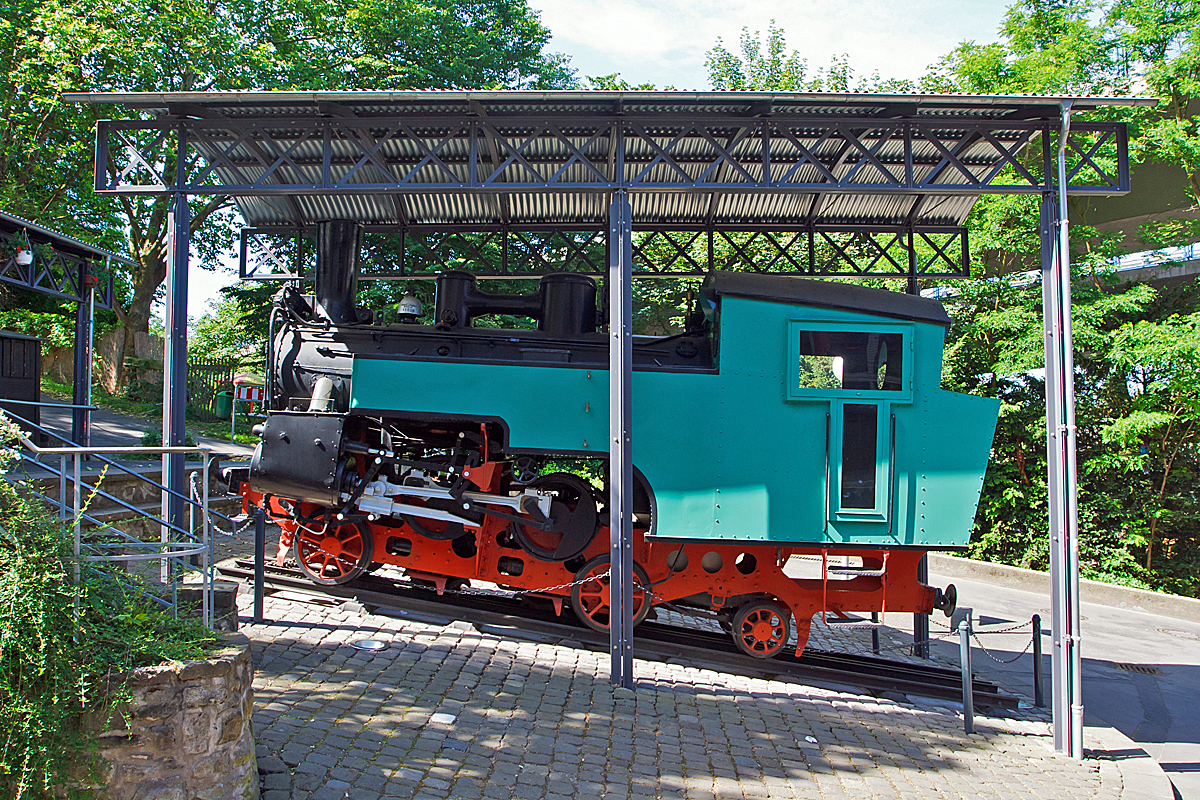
[
  {"x": 590, "y": 594},
  {"x": 335, "y": 554},
  {"x": 761, "y": 629}
]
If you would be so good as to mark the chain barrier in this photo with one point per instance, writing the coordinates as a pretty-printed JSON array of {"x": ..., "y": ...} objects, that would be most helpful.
[
  {"x": 976, "y": 634},
  {"x": 233, "y": 531},
  {"x": 987, "y": 652},
  {"x": 907, "y": 645},
  {"x": 511, "y": 594}
]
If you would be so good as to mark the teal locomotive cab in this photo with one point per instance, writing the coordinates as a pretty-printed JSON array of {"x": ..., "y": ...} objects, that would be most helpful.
[
  {"x": 811, "y": 413},
  {"x": 866, "y": 448}
]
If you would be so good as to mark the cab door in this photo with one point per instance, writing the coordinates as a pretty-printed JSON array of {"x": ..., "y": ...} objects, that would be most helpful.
[{"x": 859, "y": 371}]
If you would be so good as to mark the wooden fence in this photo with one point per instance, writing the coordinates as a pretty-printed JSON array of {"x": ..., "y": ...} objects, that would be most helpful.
[{"x": 204, "y": 380}]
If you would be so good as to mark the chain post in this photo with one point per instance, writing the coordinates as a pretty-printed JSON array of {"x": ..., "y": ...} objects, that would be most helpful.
[
  {"x": 260, "y": 557},
  {"x": 968, "y": 699},
  {"x": 1039, "y": 696}
]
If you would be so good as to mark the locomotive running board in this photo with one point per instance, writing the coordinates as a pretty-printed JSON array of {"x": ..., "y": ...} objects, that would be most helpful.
[{"x": 509, "y": 617}]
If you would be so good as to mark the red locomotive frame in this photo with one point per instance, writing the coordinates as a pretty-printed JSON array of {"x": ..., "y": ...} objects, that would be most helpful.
[{"x": 744, "y": 584}]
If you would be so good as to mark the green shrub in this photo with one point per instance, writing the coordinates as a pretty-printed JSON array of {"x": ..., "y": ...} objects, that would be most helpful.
[{"x": 62, "y": 642}]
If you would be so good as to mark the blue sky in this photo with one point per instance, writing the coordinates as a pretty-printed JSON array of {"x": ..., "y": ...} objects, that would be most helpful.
[{"x": 664, "y": 41}]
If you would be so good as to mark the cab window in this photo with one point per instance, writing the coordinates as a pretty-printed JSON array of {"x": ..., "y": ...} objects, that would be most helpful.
[
  {"x": 850, "y": 360},
  {"x": 843, "y": 361}
]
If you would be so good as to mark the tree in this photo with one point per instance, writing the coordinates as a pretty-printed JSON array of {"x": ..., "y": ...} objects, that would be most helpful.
[
  {"x": 1160, "y": 42},
  {"x": 1138, "y": 395},
  {"x": 1048, "y": 47},
  {"x": 174, "y": 45},
  {"x": 1158, "y": 432},
  {"x": 776, "y": 70}
]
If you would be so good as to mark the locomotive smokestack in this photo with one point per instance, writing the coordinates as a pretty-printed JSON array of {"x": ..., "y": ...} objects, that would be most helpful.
[{"x": 338, "y": 243}]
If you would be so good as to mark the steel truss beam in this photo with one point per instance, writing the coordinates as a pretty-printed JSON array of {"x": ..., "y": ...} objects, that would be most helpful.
[
  {"x": 55, "y": 273},
  {"x": 412, "y": 253},
  {"x": 312, "y": 155}
]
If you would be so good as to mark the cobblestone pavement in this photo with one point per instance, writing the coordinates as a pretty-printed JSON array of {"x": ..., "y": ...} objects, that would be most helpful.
[{"x": 453, "y": 712}]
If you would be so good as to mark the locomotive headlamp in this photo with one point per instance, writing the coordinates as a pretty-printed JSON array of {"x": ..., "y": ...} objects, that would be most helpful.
[{"x": 409, "y": 309}]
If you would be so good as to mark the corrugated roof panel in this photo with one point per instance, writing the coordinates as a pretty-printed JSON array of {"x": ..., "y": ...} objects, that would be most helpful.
[
  {"x": 669, "y": 207},
  {"x": 561, "y": 207},
  {"x": 452, "y": 208},
  {"x": 885, "y": 209},
  {"x": 754, "y": 209},
  {"x": 945, "y": 209}
]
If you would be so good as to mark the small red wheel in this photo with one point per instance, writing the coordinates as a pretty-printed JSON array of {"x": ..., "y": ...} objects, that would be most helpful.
[
  {"x": 590, "y": 598},
  {"x": 761, "y": 629},
  {"x": 337, "y": 554}
]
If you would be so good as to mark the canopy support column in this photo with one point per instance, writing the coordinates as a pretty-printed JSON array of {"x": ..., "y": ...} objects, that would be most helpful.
[
  {"x": 620, "y": 412},
  {"x": 175, "y": 360},
  {"x": 81, "y": 390},
  {"x": 1067, "y": 704}
]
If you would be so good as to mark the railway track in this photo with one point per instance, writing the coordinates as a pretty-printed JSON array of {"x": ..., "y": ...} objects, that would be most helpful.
[{"x": 521, "y": 618}]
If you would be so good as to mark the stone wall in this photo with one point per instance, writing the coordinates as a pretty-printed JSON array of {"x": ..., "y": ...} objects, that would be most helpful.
[
  {"x": 110, "y": 352},
  {"x": 108, "y": 364},
  {"x": 185, "y": 734}
]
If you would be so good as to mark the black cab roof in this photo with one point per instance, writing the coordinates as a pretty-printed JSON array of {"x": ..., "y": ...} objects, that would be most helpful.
[{"x": 824, "y": 294}]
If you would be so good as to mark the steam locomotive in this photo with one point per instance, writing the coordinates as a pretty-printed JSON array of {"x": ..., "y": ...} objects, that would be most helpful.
[{"x": 791, "y": 418}]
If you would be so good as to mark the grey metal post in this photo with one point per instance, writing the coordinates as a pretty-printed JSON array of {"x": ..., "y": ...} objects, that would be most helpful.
[
  {"x": 920, "y": 647},
  {"x": 1067, "y": 690},
  {"x": 260, "y": 557},
  {"x": 77, "y": 531},
  {"x": 1075, "y": 680},
  {"x": 968, "y": 675},
  {"x": 875, "y": 633},
  {"x": 82, "y": 373},
  {"x": 62, "y": 486},
  {"x": 206, "y": 540},
  {"x": 175, "y": 361},
  {"x": 77, "y": 526},
  {"x": 620, "y": 412},
  {"x": 1039, "y": 695}
]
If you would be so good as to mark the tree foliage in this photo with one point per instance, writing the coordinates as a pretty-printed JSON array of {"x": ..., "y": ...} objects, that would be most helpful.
[
  {"x": 46, "y": 48},
  {"x": 64, "y": 643}
]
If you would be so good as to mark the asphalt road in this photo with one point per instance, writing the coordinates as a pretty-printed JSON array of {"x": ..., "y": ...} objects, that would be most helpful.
[{"x": 1159, "y": 711}]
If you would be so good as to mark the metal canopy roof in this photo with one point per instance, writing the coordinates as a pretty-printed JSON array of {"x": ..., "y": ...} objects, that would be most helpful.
[
  {"x": 59, "y": 262},
  {"x": 714, "y": 159},
  {"x": 374, "y": 103},
  {"x": 891, "y": 175}
]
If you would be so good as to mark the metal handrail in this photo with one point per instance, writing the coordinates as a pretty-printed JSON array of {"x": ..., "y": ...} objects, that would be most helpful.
[
  {"x": 170, "y": 550},
  {"x": 42, "y": 404},
  {"x": 187, "y": 498},
  {"x": 96, "y": 491},
  {"x": 95, "y": 452}
]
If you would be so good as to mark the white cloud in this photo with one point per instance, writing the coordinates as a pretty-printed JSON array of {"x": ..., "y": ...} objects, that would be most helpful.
[{"x": 664, "y": 41}]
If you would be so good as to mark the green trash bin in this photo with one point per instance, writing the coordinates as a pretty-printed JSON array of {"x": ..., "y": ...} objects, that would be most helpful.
[{"x": 224, "y": 404}]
